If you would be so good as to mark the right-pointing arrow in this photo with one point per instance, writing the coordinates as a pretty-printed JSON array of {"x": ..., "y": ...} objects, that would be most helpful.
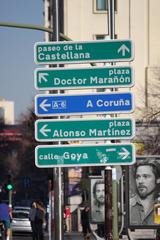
[
  {"x": 124, "y": 154},
  {"x": 44, "y": 130},
  {"x": 42, "y": 77},
  {"x": 123, "y": 49}
]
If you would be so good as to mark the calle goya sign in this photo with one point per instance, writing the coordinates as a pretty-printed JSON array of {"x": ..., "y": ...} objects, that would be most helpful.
[{"x": 84, "y": 155}]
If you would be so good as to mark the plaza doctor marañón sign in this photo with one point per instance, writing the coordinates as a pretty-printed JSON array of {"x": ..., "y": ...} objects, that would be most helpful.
[
  {"x": 79, "y": 52},
  {"x": 93, "y": 77},
  {"x": 84, "y": 129},
  {"x": 84, "y": 155},
  {"x": 50, "y": 105}
]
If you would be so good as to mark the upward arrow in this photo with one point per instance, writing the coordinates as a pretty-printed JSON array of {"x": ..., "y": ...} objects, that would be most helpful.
[
  {"x": 42, "y": 76},
  {"x": 123, "y": 49}
]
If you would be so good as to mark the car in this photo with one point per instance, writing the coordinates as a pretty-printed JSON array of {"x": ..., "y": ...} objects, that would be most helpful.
[
  {"x": 22, "y": 208},
  {"x": 20, "y": 221}
]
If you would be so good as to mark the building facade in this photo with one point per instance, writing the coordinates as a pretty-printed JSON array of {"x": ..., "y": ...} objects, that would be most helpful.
[
  {"x": 87, "y": 20},
  {"x": 7, "y": 111},
  {"x": 135, "y": 20}
]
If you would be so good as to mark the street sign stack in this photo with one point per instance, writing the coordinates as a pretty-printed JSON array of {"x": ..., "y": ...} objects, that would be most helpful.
[{"x": 49, "y": 105}]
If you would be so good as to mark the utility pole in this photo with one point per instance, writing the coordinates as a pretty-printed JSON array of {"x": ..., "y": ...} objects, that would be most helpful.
[
  {"x": 108, "y": 204},
  {"x": 57, "y": 173},
  {"x": 108, "y": 170},
  {"x": 115, "y": 205}
]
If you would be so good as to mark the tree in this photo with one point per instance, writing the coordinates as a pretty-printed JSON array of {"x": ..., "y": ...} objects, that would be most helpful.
[{"x": 26, "y": 158}]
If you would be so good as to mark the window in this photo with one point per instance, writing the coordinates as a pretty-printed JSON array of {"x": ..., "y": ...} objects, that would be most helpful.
[
  {"x": 101, "y": 37},
  {"x": 2, "y": 115},
  {"x": 21, "y": 215},
  {"x": 104, "y": 37},
  {"x": 101, "y": 5},
  {"x": 49, "y": 14}
]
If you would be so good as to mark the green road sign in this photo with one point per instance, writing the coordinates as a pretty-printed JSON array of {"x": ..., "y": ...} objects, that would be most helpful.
[
  {"x": 84, "y": 129},
  {"x": 79, "y": 52},
  {"x": 95, "y": 77},
  {"x": 84, "y": 155}
]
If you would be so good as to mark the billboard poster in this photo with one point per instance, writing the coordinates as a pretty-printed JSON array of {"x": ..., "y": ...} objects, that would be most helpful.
[
  {"x": 97, "y": 200},
  {"x": 74, "y": 177},
  {"x": 143, "y": 180}
]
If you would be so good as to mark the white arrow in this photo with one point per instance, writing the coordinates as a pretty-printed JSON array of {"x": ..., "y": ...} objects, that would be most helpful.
[
  {"x": 43, "y": 105},
  {"x": 44, "y": 130},
  {"x": 42, "y": 76},
  {"x": 124, "y": 154},
  {"x": 123, "y": 49}
]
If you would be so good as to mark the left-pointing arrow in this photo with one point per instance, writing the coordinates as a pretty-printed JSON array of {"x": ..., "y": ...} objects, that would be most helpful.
[
  {"x": 42, "y": 77},
  {"x": 44, "y": 130},
  {"x": 44, "y": 105},
  {"x": 124, "y": 154}
]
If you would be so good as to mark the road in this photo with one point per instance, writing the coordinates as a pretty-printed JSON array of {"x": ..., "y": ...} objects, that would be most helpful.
[
  {"x": 22, "y": 237},
  {"x": 149, "y": 235},
  {"x": 71, "y": 236}
]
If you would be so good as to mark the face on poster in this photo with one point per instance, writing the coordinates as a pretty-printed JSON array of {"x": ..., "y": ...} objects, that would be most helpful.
[
  {"x": 97, "y": 200},
  {"x": 144, "y": 190}
]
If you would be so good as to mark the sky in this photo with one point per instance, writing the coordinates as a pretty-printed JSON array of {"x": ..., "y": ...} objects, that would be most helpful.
[{"x": 17, "y": 52}]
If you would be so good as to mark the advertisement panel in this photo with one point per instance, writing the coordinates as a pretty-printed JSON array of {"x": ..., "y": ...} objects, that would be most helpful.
[
  {"x": 144, "y": 192},
  {"x": 97, "y": 199}
]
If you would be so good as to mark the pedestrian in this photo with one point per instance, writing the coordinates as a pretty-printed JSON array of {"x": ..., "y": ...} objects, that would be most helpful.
[
  {"x": 32, "y": 215},
  {"x": 157, "y": 234},
  {"x": 147, "y": 177},
  {"x": 5, "y": 216},
  {"x": 85, "y": 223},
  {"x": 39, "y": 219}
]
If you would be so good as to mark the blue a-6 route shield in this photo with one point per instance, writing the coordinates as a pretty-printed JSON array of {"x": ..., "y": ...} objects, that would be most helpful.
[{"x": 50, "y": 105}]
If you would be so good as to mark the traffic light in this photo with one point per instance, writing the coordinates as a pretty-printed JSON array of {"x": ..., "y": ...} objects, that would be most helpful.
[{"x": 9, "y": 183}]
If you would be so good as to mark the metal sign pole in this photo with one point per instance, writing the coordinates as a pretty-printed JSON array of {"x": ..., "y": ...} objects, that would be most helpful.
[
  {"x": 108, "y": 171},
  {"x": 49, "y": 210},
  {"x": 108, "y": 204},
  {"x": 10, "y": 198},
  {"x": 57, "y": 171}
]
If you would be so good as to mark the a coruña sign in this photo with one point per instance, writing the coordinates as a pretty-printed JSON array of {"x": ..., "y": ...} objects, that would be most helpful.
[{"x": 50, "y": 105}]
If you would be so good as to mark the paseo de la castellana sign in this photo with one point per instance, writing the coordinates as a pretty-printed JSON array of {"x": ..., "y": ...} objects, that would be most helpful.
[{"x": 76, "y": 52}]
